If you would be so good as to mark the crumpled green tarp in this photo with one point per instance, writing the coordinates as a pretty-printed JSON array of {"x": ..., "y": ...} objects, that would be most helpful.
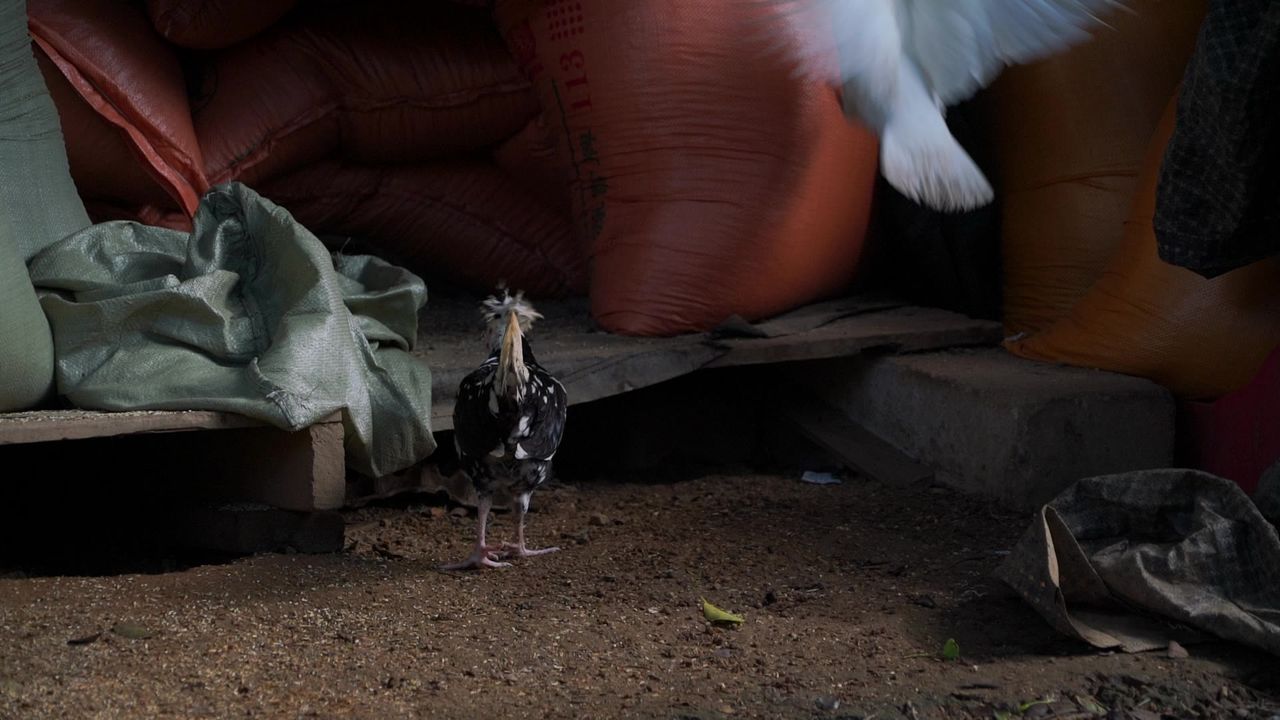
[{"x": 248, "y": 314}]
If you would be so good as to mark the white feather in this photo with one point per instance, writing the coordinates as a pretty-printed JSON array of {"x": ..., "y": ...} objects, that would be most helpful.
[
  {"x": 901, "y": 62},
  {"x": 920, "y": 158},
  {"x": 962, "y": 45},
  {"x": 838, "y": 42}
]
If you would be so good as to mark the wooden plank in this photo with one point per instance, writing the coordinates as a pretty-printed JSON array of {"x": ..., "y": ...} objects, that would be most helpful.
[
  {"x": 52, "y": 425},
  {"x": 803, "y": 319},
  {"x": 851, "y": 442},
  {"x": 302, "y": 471},
  {"x": 588, "y": 378},
  {"x": 244, "y": 460},
  {"x": 906, "y": 329},
  {"x": 594, "y": 365}
]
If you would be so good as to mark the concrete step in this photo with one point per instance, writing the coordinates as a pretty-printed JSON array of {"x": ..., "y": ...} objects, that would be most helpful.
[{"x": 994, "y": 424}]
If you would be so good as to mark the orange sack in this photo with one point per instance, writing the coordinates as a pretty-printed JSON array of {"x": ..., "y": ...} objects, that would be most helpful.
[
  {"x": 1200, "y": 338},
  {"x": 368, "y": 82},
  {"x": 704, "y": 179},
  {"x": 129, "y": 76},
  {"x": 209, "y": 24},
  {"x": 1069, "y": 135},
  {"x": 530, "y": 158},
  {"x": 105, "y": 165},
  {"x": 465, "y": 220}
]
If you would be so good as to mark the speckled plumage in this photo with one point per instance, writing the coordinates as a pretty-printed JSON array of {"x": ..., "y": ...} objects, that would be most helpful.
[{"x": 512, "y": 447}]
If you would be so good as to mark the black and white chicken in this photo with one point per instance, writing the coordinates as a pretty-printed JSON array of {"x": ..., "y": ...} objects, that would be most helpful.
[{"x": 507, "y": 423}]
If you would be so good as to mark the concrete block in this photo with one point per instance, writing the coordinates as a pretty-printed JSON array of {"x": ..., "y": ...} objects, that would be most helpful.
[{"x": 994, "y": 424}]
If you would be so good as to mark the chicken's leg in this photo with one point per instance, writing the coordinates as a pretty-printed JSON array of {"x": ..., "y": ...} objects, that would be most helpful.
[
  {"x": 482, "y": 555},
  {"x": 518, "y": 548}
]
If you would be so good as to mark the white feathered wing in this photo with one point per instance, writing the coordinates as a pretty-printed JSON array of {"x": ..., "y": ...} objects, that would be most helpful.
[{"x": 902, "y": 62}]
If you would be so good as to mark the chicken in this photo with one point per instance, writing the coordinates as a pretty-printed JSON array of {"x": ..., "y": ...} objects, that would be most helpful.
[
  {"x": 902, "y": 62},
  {"x": 507, "y": 423}
]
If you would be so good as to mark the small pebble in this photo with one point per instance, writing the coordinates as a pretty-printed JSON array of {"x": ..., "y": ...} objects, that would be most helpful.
[{"x": 828, "y": 703}]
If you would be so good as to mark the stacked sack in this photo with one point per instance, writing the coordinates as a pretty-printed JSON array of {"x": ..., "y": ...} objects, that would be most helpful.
[
  {"x": 372, "y": 120},
  {"x": 623, "y": 149},
  {"x": 1079, "y": 167},
  {"x": 1080, "y": 140},
  {"x": 1068, "y": 148},
  {"x": 1200, "y": 338}
]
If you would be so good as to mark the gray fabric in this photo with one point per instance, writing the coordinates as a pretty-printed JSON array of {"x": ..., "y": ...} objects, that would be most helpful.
[
  {"x": 248, "y": 314},
  {"x": 38, "y": 205},
  {"x": 1218, "y": 201},
  {"x": 1267, "y": 496},
  {"x": 1121, "y": 560}
]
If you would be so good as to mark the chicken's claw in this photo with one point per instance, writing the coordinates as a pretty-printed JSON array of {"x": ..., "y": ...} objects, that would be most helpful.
[
  {"x": 478, "y": 559},
  {"x": 520, "y": 551}
]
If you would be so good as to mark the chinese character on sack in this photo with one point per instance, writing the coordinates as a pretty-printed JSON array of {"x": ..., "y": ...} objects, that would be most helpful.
[
  {"x": 587, "y": 141},
  {"x": 599, "y": 185},
  {"x": 597, "y": 220}
]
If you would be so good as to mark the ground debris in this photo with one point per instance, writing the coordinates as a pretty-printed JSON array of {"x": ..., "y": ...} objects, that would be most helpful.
[{"x": 575, "y": 633}]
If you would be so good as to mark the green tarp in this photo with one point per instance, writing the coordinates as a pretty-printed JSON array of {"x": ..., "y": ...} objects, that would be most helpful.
[
  {"x": 38, "y": 205},
  {"x": 248, "y": 314}
]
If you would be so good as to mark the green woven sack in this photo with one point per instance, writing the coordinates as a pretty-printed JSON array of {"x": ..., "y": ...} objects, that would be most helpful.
[
  {"x": 248, "y": 313},
  {"x": 38, "y": 206}
]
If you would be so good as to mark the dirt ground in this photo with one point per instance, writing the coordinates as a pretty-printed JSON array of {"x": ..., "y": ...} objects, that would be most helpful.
[{"x": 848, "y": 592}]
